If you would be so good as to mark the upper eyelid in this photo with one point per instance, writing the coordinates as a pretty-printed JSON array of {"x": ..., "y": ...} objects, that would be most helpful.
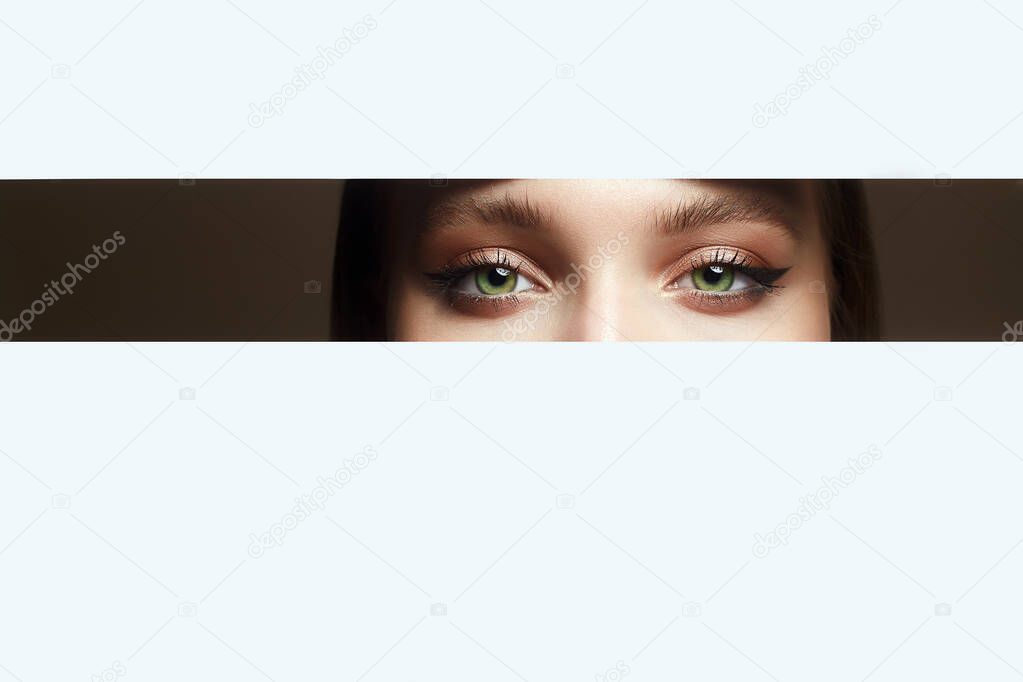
[
  {"x": 496, "y": 256},
  {"x": 510, "y": 258},
  {"x": 742, "y": 260},
  {"x": 704, "y": 256},
  {"x": 724, "y": 255}
]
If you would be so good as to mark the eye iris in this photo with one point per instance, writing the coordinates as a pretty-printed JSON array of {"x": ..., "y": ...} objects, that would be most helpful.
[
  {"x": 494, "y": 281},
  {"x": 714, "y": 278}
]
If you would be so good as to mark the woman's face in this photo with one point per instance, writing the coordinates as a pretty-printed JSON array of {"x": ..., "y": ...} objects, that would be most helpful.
[{"x": 590, "y": 260}]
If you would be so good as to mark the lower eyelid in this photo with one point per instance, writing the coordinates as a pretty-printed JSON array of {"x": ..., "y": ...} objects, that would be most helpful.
[
  {"x": 736, "y": 300},
  {"x": 487, "y": 306}
]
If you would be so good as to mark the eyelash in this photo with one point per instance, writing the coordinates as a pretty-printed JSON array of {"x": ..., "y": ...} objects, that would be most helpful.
[
  {"x": 741, "y": 262},
  {"x": 444, "y": 280}
]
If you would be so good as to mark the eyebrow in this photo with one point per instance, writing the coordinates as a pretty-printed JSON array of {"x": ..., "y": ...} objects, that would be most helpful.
[
  {"x": 493, "y": 210},
  {"x": 704, "y": 210},
  {"x": 760, "y": 205}
]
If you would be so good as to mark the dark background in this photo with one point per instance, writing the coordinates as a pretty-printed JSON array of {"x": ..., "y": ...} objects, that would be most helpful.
[{"x": 228, "y": 260}]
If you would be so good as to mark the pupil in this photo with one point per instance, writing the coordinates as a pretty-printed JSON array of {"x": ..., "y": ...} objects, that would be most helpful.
[
  {"x": 713, "y": 274},
  {"x": 497, "y": 276}
]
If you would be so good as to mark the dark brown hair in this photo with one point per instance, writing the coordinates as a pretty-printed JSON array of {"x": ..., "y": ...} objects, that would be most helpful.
[
  {"x": 360, "y": 281},
  {"x": 854, "y": 303}
]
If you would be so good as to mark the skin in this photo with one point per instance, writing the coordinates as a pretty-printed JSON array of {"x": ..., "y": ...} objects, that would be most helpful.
[{"x": 601, "y": 266}]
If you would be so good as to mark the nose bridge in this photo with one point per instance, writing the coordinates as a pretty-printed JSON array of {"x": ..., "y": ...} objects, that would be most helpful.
[{"x": 599, "y": 303}]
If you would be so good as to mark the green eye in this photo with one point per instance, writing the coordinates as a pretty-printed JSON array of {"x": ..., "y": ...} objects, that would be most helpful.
[
  {"x": 714, "y": 278},
  {"x": 496, "y": 281}
]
